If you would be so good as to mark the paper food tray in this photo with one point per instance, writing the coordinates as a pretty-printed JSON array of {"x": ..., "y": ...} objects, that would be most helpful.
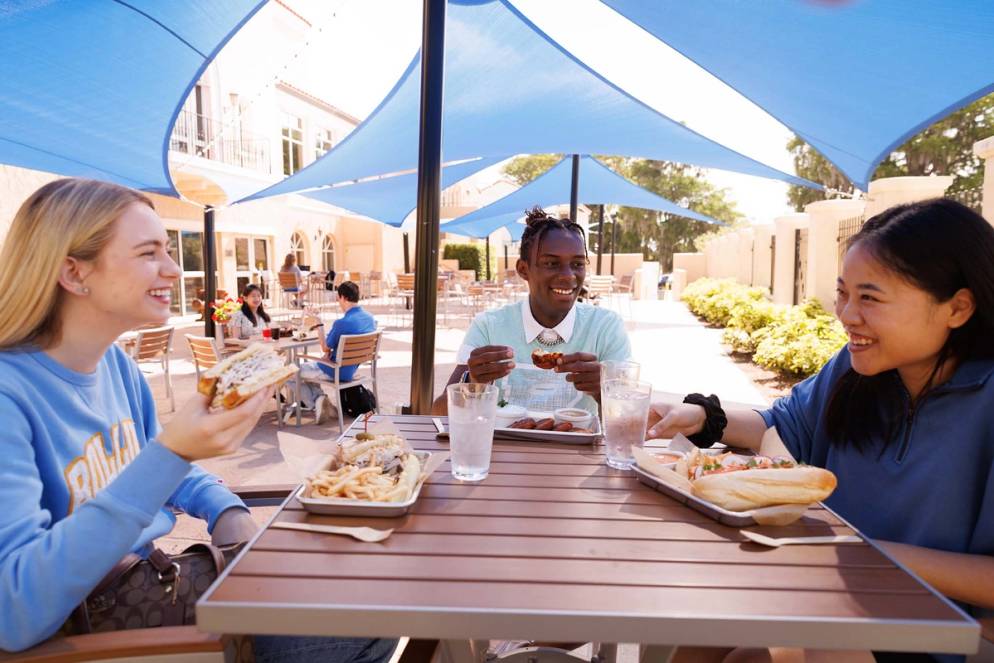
[
  {"x": 525, "y": 435},
  {"x": 337, "y": 506}
]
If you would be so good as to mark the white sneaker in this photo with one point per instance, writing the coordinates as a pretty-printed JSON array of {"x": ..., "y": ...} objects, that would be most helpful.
[{"x": 321, "y": 409}]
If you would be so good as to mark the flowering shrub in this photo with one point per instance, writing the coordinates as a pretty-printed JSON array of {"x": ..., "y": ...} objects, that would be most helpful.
[
  {"x": 223, "y": 310},
  {"x": 795, "y": 340}
]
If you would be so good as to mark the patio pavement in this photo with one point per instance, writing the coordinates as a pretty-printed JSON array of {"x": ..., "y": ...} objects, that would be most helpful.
[{"x": 678, "y": 355}]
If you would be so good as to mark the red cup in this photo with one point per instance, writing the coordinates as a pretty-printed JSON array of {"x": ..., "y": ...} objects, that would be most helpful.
[{"x": 267, "y": 333}]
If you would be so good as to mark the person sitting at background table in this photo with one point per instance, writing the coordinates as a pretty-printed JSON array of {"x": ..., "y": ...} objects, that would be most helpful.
[
  {"x": 354, "y": 320},
  {"x": 251, "y": 318},
  {"x": 553, "y": 261},
  {"x": 903, "y": 413},
  {"x": 290, "y": 267},
  {"x": 89, "y": 475}
]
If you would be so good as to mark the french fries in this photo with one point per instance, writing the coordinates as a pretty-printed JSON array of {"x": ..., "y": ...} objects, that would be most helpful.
[{"x": 369, "y": 480}]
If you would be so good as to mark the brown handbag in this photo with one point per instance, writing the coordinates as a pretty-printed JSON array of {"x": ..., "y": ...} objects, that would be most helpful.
[{"x": 147, "y": 593}]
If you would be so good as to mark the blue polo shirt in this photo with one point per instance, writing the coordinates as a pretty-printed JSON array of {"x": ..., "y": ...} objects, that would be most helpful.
[{"x": 355, "y": 321}]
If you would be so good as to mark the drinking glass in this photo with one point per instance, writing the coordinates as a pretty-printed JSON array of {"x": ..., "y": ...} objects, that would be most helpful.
[
  {"x": 614, "y": 369},
  {"x": 625, "y": 408},
  {"x": 472, "y": 411},
  {"x": 267, "y": 332}
]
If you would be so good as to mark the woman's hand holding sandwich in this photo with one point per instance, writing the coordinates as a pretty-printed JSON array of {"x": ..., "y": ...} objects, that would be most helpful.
[{"x": 197, "y": 432}]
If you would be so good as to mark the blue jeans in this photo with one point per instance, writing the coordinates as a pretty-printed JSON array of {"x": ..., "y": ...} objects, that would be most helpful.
[{"x": 309, "y": 649}]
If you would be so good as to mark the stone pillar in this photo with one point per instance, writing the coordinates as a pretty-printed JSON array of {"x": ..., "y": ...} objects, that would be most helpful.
[
  {"x": 761, "y": 269},
  {"x": 891, "y": 191},
  {"x": 823, "y": 245},
  {"x": 693, "y": 265},
  {"x": 985, "y": 150},
  {"x": 746, "y": 247},
  {"x": 711, "y": 259},
  {"x": 783, "y": 269}
]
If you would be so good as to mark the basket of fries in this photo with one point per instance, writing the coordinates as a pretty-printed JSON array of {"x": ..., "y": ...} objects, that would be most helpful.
[{"x": 370, "y": 475}]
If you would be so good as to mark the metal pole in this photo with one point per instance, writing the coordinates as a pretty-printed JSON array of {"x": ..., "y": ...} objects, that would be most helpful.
[
  {"x": 407, "y": 255},
  {"x": 614, "y": 240},
  {"x": 600, "y": 237},
  {"x": 210, "y": 281},
  {"x": 574, "y": 190},
  {"x": 429, "y": 197},
  {"x": 488, "y": 257},
  {"x": 505, "y": 258}
]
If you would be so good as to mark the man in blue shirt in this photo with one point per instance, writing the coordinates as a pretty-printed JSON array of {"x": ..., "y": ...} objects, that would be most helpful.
[{"x": 353, "y": 321}]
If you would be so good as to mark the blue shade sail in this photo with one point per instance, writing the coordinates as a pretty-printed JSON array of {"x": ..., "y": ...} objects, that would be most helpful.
[
  {"x": 599, "y": 185},
  {"x": 854, "y": 79},
  {"x": 391, "y": 199},
  {"x": 510, "y": 89},
  {"x": 91, "y": 88}
]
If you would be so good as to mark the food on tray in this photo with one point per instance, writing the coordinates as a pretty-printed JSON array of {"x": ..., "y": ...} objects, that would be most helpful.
[
  {"x": 232, "y": 381},
  {"x": 545, "y": 424},
  {"x": 742, "y": 483},
  {"x": 577, "y": 417},
  {"x": 548, "y": 424},
  {"x": 527, "y": 423},
  {"x": 377, "y": 468},
  {"x": 543, "y": 359}
]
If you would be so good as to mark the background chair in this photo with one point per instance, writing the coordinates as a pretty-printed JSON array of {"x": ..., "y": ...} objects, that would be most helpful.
[
  {"x": 352, "y": 350},
  {"x": 204, "y": 351},
  {"x": 154, "y": 346},
  {"x": 290, "y": 288},
  {"x": 599, "y": 288}
]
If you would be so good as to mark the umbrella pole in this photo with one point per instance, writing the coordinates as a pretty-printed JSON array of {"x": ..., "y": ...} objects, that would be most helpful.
[
  {"x": 614, "y": 240},
  {"x": 505, "y": 257},
  {"x": 210, "y": 280},
  {"x": 407, "y": 255},
  {"x": 574, "y": 189},
  {"x": 488, "y": 257},
  {"x": 429, "y": 197},
  {"x": 600, "y": 237}
]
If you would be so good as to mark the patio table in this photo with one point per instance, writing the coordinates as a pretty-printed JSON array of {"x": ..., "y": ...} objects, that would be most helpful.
[
  {"x": 289, "y": 347},
  {"x": 554, "y": 545}
]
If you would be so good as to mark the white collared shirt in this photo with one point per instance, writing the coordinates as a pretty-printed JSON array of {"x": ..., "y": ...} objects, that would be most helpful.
[{"x": 533, "y": 329}]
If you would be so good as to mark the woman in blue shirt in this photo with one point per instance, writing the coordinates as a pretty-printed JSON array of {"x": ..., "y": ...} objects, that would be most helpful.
[
  {"x": 902, "y": 414},
  {"x": 88, "y": 474}
]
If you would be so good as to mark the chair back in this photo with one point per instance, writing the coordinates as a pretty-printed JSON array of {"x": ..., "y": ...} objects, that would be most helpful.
[
  {"x": 355, "y": 349},
  {"x": 204, "y": 352},
  {"x": 288, "y": 280},
  {"x": 600, "y": 285},
  {"x": 405, "y": 281},
  {"x": 153, "y": 344}
]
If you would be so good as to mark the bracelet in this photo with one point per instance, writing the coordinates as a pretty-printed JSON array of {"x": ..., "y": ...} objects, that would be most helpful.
[{"x": 714, "y": 424}]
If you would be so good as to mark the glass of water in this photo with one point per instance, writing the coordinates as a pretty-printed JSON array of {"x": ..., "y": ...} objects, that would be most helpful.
[
  {"x": 625, "y": 409},
  {"x": 472, "y": 410},
  {"x": 614, "y": 369}
]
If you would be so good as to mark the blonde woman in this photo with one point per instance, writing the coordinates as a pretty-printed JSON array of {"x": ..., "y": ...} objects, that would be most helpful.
[{"x": 89, "y": 475}]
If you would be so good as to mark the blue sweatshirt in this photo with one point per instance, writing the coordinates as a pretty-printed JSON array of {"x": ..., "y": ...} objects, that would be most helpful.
[
  {"x": 934, "y": 485},
  {"x": 355, "y": 321},
  {"x": 82, "y": 483}
]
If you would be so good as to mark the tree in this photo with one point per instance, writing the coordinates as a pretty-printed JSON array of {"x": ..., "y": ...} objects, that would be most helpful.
[
  {"x": 640, "y": 230},
  {"x": 945, "y": 148}
]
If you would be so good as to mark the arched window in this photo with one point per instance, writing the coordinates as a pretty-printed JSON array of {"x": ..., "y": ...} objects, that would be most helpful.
[
  {"x": 297, "y": 248},
  {"x": 328, "y": 254}
]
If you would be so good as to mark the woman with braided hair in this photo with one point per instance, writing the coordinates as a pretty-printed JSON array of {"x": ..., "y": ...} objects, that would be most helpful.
[{"x": 499, "y": 343}]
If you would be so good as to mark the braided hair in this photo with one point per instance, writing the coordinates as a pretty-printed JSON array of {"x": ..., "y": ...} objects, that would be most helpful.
[{"x": 538, "y": 224}]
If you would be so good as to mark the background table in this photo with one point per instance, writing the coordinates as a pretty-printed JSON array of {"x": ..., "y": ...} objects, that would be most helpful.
[
  {"x": 289, "y": 347},
  {"x": 554, "y": 545}
]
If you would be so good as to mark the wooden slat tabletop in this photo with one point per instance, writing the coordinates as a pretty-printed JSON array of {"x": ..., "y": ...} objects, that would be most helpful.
[{"x": 555, "y": 545}]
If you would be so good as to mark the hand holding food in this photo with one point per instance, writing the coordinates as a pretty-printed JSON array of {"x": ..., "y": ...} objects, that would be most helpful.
[
  {"x": 583, "y": 370},
  {"x": 196, "y": 432},
  {"x": 489, "y": 363},
  {"x": 546, "y": 360},
  {"x": 234, "y": 380}
]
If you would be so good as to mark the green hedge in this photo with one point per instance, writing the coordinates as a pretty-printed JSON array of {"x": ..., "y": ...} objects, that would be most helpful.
[
  {"x": 469, "y": 256},
  {"x": 794, "y": 340}
]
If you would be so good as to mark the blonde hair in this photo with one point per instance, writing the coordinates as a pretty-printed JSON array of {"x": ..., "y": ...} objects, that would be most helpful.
[{"x": 65, "y": 218}]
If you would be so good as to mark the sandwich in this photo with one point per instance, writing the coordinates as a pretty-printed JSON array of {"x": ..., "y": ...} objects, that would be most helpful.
[
  {"x": 233, "y": 381},
  {"x": 546, "y": 360}
]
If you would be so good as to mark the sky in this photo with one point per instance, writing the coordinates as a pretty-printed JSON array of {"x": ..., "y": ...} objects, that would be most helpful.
[{"x": 359, "y": 48}]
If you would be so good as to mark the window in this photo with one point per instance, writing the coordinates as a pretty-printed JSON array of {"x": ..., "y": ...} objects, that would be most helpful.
[
  {"x": 322, "y": 143},
  {"x": 261, "y": 254},
  {"x": 241, "y": 254},
  {"x": 193, "y": 251},
  {"x": 328, "y": 254},
  {"x": 297, "y": 248},
  {"x": 293, "y": 144}
]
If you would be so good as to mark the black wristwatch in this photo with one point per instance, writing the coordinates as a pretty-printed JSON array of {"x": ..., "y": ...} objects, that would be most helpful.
[{"x": 714, "y": 424}]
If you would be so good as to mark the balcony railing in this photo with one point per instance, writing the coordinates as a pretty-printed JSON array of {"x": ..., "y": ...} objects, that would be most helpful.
[{"x": 199, "y": 135}]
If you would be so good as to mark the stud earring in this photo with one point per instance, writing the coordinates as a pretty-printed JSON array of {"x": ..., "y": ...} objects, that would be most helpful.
[{"x": 84, "y": 290}]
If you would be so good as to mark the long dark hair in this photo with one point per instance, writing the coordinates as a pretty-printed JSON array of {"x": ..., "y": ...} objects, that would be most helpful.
[
  {"x": 538, "y": 224},
  {"x": 247, "y": 310},
  {"x": 941, "y": 247}
]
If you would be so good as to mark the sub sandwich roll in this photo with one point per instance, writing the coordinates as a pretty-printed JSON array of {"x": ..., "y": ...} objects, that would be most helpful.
[
  {"x": 746, "y": 489},
  {"x": 233, "y": 381}
]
